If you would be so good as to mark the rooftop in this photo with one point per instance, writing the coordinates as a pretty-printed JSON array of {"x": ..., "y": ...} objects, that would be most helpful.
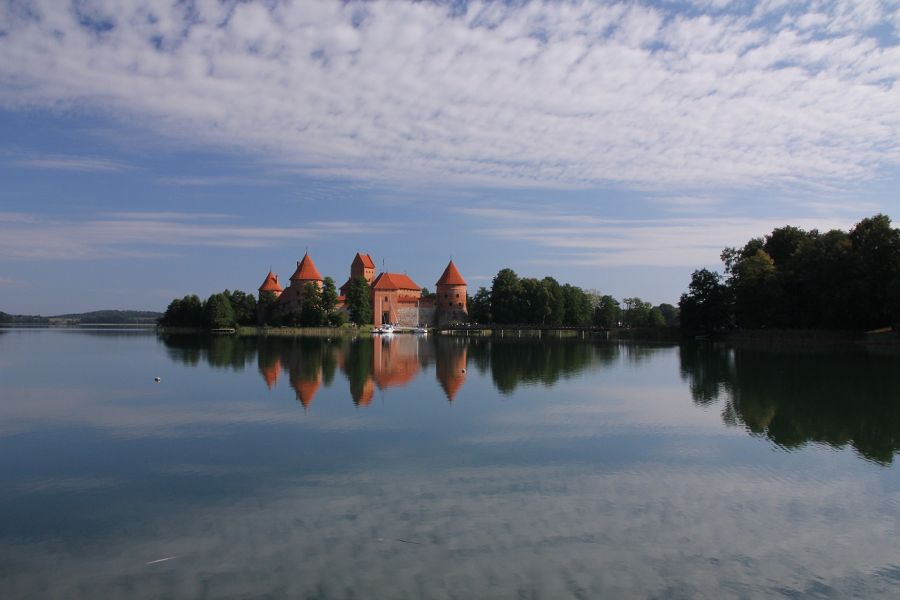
[{"x": 306, "y": 270}]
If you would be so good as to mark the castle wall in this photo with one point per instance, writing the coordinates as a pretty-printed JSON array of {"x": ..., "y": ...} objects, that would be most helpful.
[{"x": 407, "y": 317}]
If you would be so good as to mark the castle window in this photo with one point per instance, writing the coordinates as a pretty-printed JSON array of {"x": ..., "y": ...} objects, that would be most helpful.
[
  {"x": 457, "y": 295},
  {"x": 459, "y": 304}
]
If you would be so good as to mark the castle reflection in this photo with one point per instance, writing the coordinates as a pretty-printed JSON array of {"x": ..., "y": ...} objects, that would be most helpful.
[
  {"x": 379, "y": 363},
  {"x": 370, "y": 364}
]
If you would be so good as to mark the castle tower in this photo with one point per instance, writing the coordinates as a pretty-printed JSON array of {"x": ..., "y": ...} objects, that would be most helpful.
[
  {"x": 306, "y": 272},
  {"x": 362, "y": 266},
  {"x": 292, "y": 297},
  {"x": 451, "y": 296},
  {"x": 270, "y": 285}
]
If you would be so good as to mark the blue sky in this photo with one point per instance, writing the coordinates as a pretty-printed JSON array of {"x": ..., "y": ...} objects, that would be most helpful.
[{"x": 150, "y": 148}]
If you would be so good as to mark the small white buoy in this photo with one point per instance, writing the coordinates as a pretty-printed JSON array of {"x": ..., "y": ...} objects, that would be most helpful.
[{"x": 157, "y": 379}]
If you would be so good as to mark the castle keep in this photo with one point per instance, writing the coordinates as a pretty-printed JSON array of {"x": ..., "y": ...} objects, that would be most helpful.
[{"x": 396, "y": 298}]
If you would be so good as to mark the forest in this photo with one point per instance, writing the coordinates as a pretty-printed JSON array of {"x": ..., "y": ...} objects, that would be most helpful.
[
  {"x": 512, "y": 300},
  {"x": 796, "y": 279}
]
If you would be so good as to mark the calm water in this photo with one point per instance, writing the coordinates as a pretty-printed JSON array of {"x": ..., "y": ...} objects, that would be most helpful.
[{"x": 446, "y": 468}]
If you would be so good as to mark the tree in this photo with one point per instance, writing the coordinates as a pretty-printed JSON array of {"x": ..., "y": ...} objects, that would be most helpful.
[
  {"x": 244, "y": 306},
  {"x": 607, "y": 312},
  {"x": 557, "y": 302},
  {"x": 480, "y": 306},
  {"x": 578, "y": 306},
  {"x": 669, "y": 314},
  {"x": 707, "y": 304},
  {"x": 536, "y": 305},
  {"x": 782, "y": 243},
  {"x": 329, "y": 295},
  {"x": 312, "y": 311},
  {"x": 359, "y": 301},
  {"x": 754, "y": 282},
  {"x": 218, "y": 312},
  {"x": 877, "y": 248},
  {"x": 266, "y": 308},
  {"x": 186, "y": 312},
  {"x": 638, "y": 313},
  {"x": 506, "y": 297}
]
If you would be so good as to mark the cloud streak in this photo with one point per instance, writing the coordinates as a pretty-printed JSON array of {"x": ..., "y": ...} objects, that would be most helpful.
[
  {"x": 150, "y": 235},
  {"x": 87, "y": 164},
  {"x": 670, "y": 242},
  {"x": 540, "y": 94}
]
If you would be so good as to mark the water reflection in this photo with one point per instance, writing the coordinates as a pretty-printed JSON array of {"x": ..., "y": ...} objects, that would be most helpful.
[
  {"x": 562, "y": 469},
  {"x": 838, "y": 398},
  {"x": 380, "y": 363}
]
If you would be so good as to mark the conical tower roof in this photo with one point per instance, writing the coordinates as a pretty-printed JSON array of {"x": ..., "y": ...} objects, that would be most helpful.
[
  {"x": 306, "y": 270},
  {"x": 270, "y": 373},
  {"x": 271, "y": 283},
  {"x": 451, "y": 276},
  {"x": 306, "y": 390}
]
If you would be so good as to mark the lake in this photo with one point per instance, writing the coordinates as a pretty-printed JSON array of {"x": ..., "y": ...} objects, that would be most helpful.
[{"x": 443, "y": 467}]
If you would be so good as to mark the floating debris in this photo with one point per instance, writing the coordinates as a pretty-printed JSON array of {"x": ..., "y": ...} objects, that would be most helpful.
[
  {"x": 159, "y": 560},
  {"x": 157, "y": 379}
]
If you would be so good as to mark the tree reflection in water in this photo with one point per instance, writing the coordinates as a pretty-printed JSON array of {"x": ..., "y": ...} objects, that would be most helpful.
[
  {"x": 835, "y": 397},
  {"x": 370, "y": 364}
]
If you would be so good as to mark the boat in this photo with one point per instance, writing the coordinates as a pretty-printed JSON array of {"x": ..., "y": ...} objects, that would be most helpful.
[{"x": 386, "y": 328}]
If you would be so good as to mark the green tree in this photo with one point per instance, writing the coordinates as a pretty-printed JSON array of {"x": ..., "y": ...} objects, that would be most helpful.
[
  {"x": 669, "y": 314},
  {"x": 578, "y": 306},
  {"x": 607, "y": 312},
  {"x": 218, "y": 312},
  {"x": 244, "y": 306},
  {"x": 707, "y": 305},
  {"x": 312, "y": 310},
  {"x": 755, "y": 284},
  {"x": 329, "y": 295},
  {"x": 876, "y": 246},
  {"x": 637, "y": 313},
  {"x": 506, "y": 297},
  {"x": 536, "y": 302},
  {"x": 781, "y": 244},
  {"x": 480, "y": 306},
  {"x": 557, "y": 302},
  {"x": 359, "y": 301},
  {"x": 184, "y": 312},
  {"x": 266, "y": 308}
]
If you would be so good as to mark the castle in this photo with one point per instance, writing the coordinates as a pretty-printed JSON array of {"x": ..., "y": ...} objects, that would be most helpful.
[{"x": 396, "y": 298}]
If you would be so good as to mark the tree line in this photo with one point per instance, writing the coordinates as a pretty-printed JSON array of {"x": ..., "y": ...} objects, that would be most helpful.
[
  {"x": 230, "y": 309},
  {"x": 796, "y": 279},
  {"x": 512, "y": 300},
  {"x": 220, "y": 311}
]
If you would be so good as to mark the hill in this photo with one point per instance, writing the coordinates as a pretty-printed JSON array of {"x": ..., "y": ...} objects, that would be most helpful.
[{"x": 97, "y": 317}]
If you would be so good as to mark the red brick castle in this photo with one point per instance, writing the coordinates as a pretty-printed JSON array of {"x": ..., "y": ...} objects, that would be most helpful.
[{"x": 396, "y": 298}]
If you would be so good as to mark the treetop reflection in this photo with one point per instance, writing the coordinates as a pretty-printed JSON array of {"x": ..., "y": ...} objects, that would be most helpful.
[
  {"x": 835, "y": 397},
  {"x": 838, "y": 398}
]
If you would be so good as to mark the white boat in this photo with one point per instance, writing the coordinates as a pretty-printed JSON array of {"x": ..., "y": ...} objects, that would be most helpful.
[{"x": 385, "y": 328}]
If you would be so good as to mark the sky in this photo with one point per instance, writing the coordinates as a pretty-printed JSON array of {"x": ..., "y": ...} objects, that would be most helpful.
[{"x": 155, "y": 148}]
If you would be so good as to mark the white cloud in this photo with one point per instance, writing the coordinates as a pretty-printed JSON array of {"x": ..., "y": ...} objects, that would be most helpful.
[
  {"x": 669, "y": 242},
  {"x": 72, "y": 163},
  {"x": 151, "y": 234},
  {"x": 540, "y": 94}
]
